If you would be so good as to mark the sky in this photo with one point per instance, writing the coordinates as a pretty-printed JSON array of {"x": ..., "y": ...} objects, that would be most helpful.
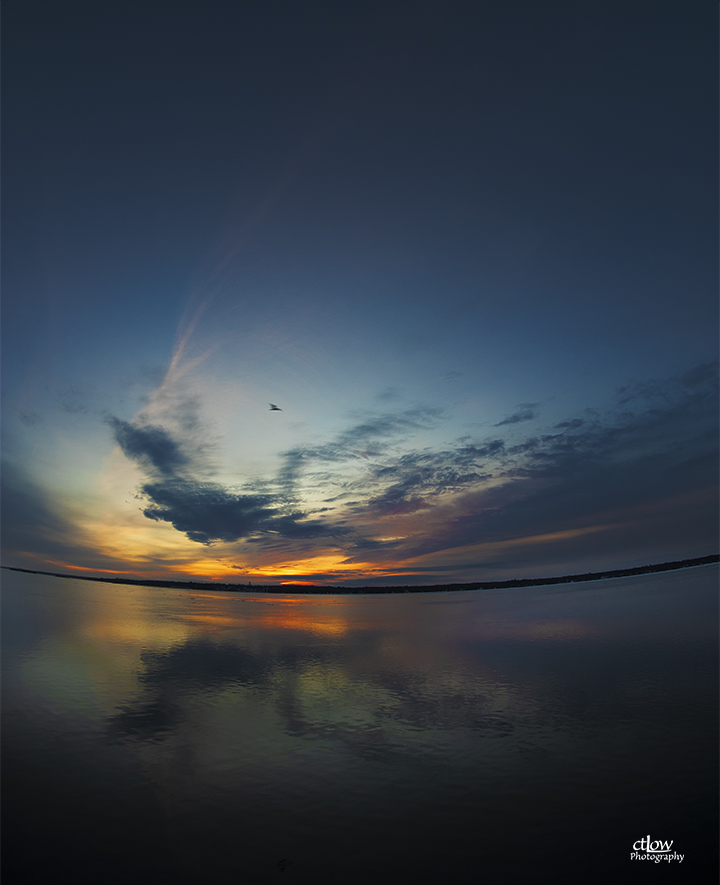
[{"x": 469, "y": 250}]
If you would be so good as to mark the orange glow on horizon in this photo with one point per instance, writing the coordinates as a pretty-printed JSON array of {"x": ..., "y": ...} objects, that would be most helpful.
[
  {"x": 329, "y": 567},
  {"x": 327, "y": 563},
  {"x": 85, "y": 568},
  {"x": 174, "y": 558}
]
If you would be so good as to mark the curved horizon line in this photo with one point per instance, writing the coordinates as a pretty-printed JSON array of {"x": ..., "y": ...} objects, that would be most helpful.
[{"x": 339, "y": 590}]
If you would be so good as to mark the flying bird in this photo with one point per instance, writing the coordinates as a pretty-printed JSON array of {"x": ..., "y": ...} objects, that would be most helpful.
[{"x": 274, "y": 408}]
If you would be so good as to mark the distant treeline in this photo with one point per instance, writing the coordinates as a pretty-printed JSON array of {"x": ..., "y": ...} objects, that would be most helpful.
[{"x": 432, "y": 588}]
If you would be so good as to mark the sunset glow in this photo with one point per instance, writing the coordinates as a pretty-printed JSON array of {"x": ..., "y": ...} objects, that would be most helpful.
[{"x": 462, "y": 329}]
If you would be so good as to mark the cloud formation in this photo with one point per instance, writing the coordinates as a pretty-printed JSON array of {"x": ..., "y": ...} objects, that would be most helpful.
[
  {"x": 369, "y": 439},
  {"x": 526, "y": 412},
  {"x": 646, "y": 468},
  {"x": 151, "y": 447},
  {"x": 417, "y": 476},
  {"x": 204, "y": 511},
  {"x": 208, "y": 512}
]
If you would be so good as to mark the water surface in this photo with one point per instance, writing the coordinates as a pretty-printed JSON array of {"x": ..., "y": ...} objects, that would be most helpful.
[{"x": 513, "y": 736}]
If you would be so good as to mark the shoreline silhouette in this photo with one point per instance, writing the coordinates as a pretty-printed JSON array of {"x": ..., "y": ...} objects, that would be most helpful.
[{"x": 340, "y": 590}]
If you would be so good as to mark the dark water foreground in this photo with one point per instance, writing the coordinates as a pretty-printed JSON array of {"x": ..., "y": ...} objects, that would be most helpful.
[{"x": 513, "y": 736}]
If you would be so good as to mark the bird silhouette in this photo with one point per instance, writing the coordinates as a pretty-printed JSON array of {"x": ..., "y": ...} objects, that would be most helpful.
[{"x": 274, "y": 408}]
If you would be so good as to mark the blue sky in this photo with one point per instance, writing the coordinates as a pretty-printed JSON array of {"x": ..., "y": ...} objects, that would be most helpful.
[{"x": 468, "y": 249}]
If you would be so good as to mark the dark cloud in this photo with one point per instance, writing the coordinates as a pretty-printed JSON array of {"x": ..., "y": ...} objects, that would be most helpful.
[
  {"x": 571, "y": 425},
  {"x": 208, "y": 512},
  {"x": 650, "y": 471},
  {"x": 527, "y": 411},
  {"x": 149, "y": 446},
  {"x": 663, "y": 392},
  {"x": 204, "y": 511}
]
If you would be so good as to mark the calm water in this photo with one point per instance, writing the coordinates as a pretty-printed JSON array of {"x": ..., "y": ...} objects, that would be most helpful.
[{"x": 513, "y": 736}]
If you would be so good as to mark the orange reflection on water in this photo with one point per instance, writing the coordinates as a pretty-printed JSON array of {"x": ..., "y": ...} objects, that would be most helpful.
[
  {"x": 328, "y": 626},
  {"x": 212, "y": 621},
  {"x": 270, "y": 613}
]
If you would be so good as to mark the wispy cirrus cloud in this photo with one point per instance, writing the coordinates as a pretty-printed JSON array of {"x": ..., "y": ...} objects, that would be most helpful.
[
  {"x": 367, "y": 439},
  {"x": 411, "y": 480}
]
